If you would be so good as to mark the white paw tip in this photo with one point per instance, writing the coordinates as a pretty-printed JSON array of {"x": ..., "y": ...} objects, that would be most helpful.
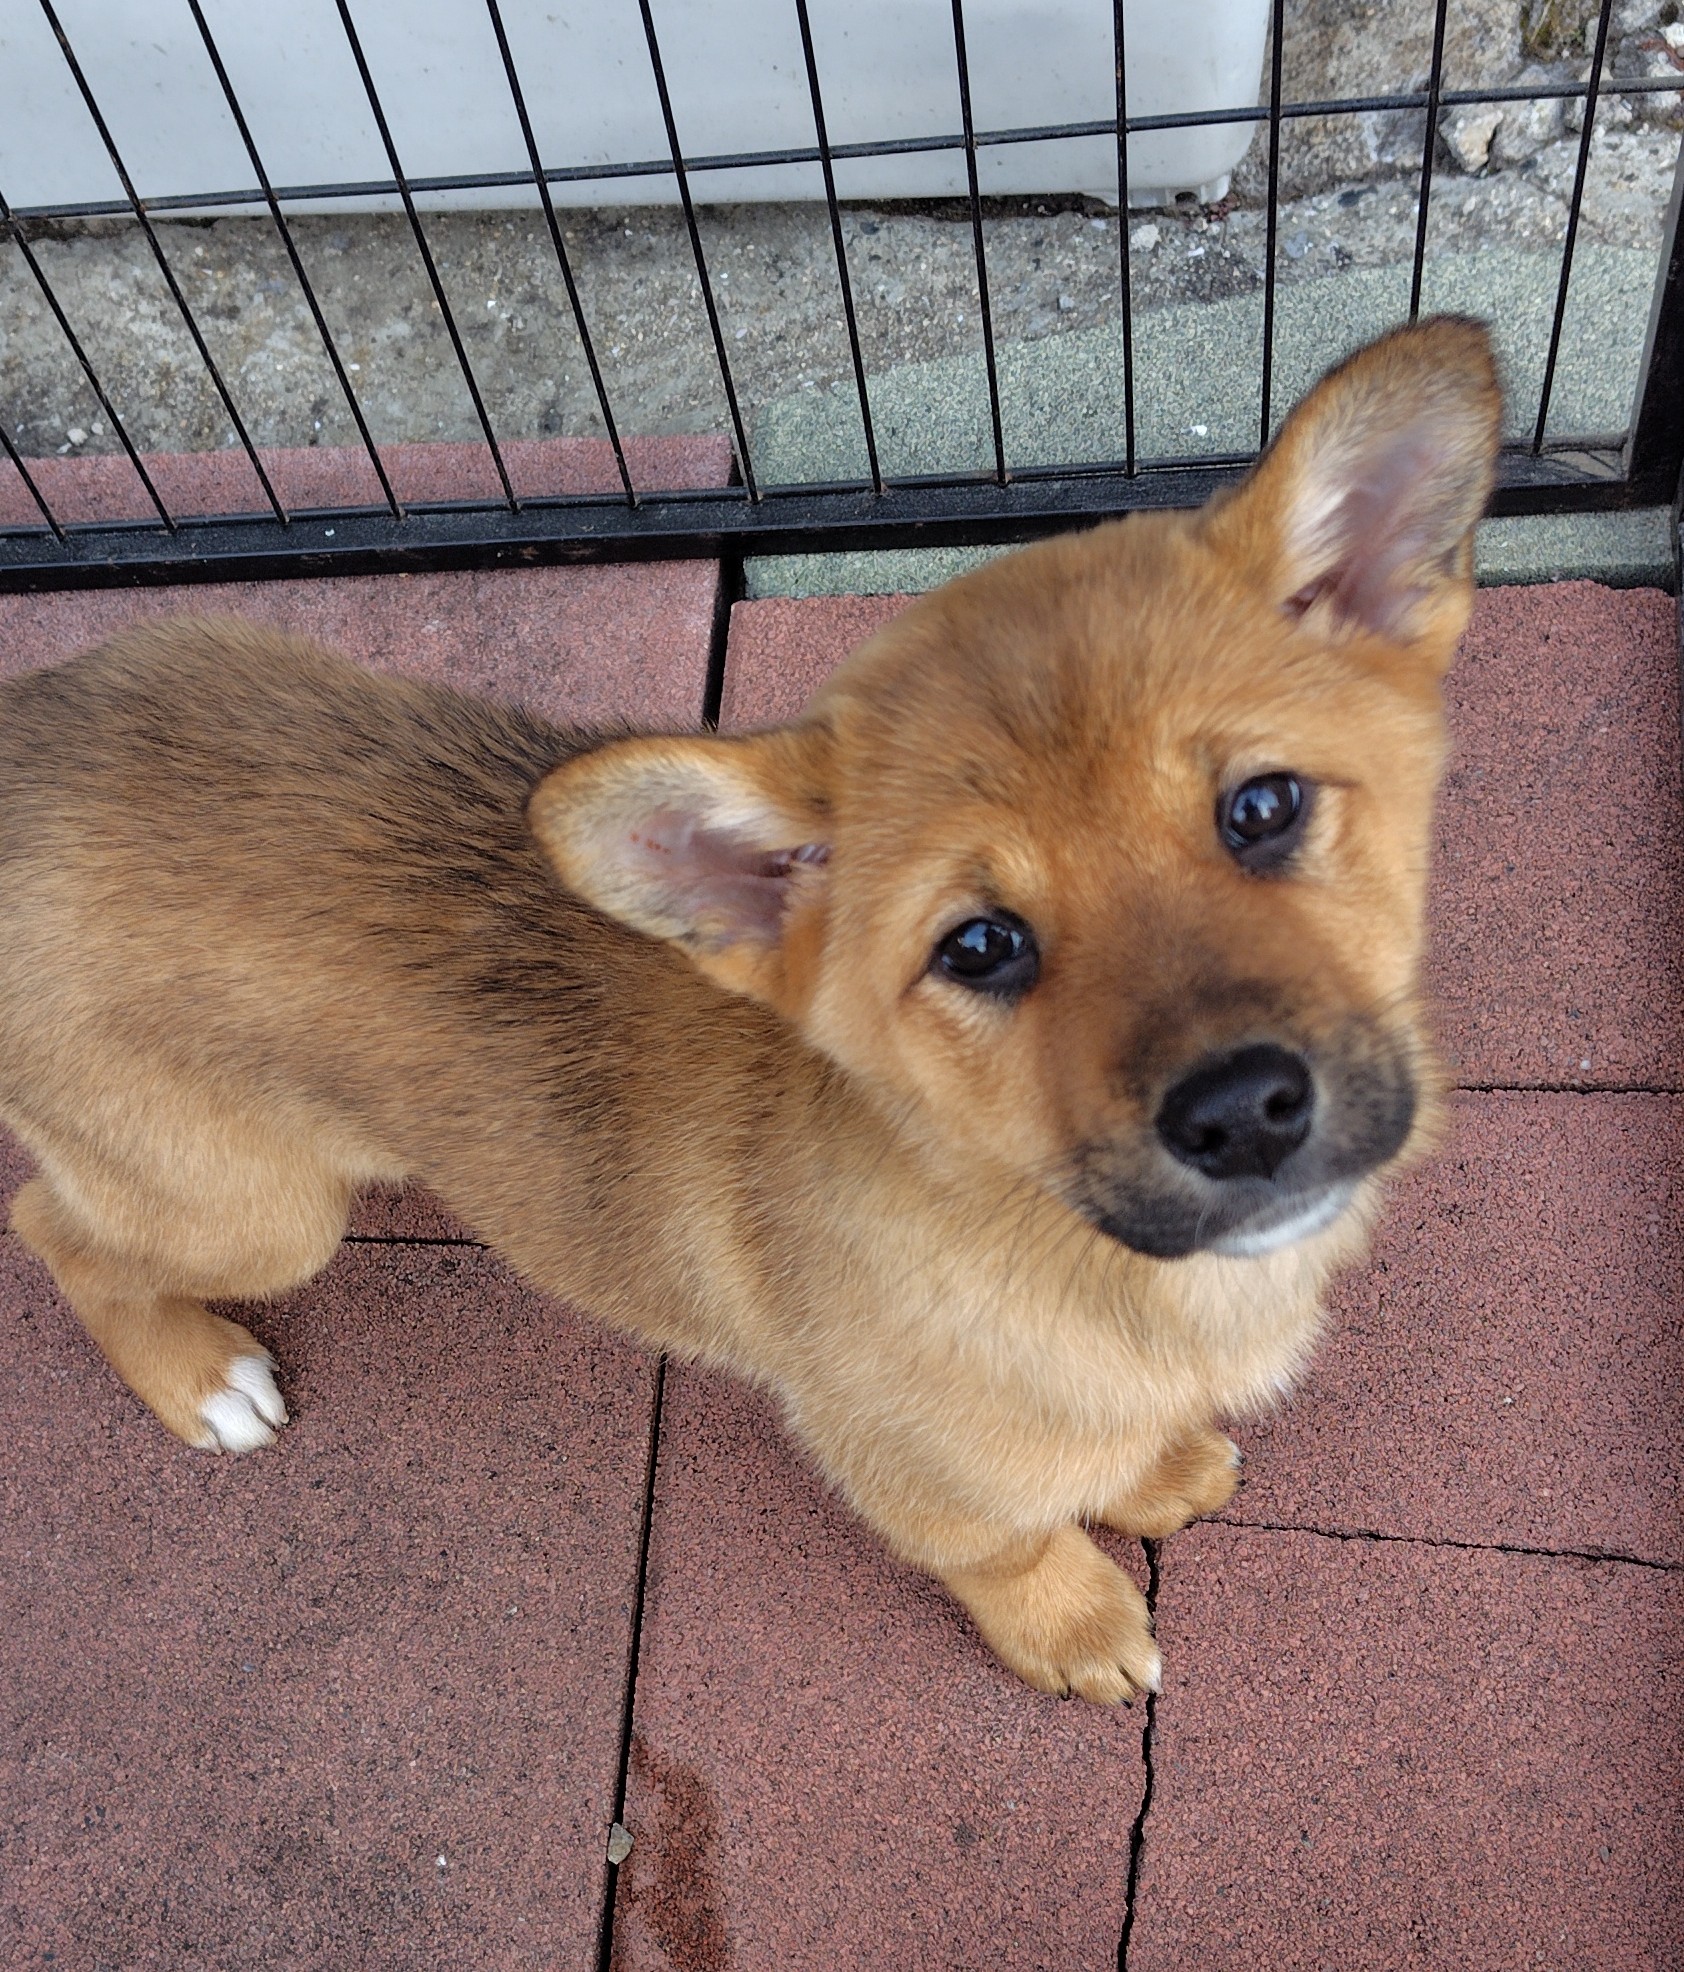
[
  {"x": 1236, "y": 1458},
  {"x": 247, "y": 1411},
  {"x": 1154, "y": 1678}
]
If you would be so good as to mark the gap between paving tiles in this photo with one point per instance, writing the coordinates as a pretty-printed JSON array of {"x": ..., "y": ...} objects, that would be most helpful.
[
  {"x": 728, "y": 591},
  {"x": 605, "y": 1934},
  {"x": 1148, "y": 1747},
  {"x": 1374, "y": 1535}
]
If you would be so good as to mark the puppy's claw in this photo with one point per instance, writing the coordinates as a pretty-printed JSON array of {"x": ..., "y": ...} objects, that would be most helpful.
[{"x": 247, "y": 1411}]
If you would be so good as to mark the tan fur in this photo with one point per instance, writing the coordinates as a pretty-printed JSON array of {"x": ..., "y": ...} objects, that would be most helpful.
[{"x": 274, "y": 928}]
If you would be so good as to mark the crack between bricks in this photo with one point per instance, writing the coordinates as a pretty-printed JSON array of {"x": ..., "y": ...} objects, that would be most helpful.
[
  {"x": 728, "y": 591},
  {"x": 416, "y": 1239},
  {"x": 1148, "y": 1747},
  {"x": 634, "y": 1653},
  {"x": 1567, "y": 1089},
  {"x": 1374, "y": 1534}
]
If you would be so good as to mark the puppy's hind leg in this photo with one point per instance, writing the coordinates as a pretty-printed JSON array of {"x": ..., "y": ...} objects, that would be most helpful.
[{"x": 138, "y": 1267}]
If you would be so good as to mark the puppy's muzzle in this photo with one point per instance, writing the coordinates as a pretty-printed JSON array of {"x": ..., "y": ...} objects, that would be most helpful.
[{"x": 1250, "y": 1148}]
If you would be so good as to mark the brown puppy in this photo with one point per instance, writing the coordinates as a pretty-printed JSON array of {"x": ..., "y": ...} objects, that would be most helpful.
[{"x": 994, "y": 1064}]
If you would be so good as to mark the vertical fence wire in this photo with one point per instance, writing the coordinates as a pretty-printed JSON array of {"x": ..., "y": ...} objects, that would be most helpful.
[
  {"x": 1654, "y": 453},
  {"x": 164, "y": 268},
  {"x": 700, "y": 258},
  {"x": 1277, "y": 31},
  {"x": 964, "y": 66},
  {"x": 561, "y": 254},
  {"x": 30, "y": 487},
  {"x": 1429, "y": 146},
  {"x": 287, "y": 241},
  {"x": 835, "y": 212},
  {"x": 425, "y": 252},
  {"x": 1592, "y": 90},
  {"x": 1119, "y": 42},
  {"x": 38, "y": 272}
]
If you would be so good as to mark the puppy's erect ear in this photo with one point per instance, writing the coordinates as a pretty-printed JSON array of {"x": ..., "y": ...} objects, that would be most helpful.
[
  {"x": 715, "y": 845},
  {"x": 1361, "y": 513}
]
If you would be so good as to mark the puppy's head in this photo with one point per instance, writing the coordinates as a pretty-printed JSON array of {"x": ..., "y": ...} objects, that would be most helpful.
[{"x": 1104, "y": 866}]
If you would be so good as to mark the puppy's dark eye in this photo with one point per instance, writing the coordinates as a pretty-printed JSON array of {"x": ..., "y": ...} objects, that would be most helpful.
[
  {"x": 994, "y": 955},
  {"x": 1262, "y": 820}
]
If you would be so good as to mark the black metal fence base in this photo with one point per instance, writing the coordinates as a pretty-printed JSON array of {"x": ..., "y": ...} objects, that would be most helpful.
[{"x": 699, "y": 525}]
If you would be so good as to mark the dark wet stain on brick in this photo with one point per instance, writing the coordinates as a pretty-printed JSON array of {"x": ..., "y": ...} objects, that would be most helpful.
[{"x": 671, "y": 1878}]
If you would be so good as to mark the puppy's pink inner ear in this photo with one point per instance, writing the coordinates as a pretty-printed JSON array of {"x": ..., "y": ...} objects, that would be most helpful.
[
  {"x": 724, "y": 882},
  {"x": 1379, "y": 541}
]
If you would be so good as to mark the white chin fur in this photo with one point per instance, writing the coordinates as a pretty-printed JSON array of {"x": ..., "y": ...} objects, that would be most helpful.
[
  {"x": 1250, "y": 1242},
  {"x": 247, "y": 1411}
]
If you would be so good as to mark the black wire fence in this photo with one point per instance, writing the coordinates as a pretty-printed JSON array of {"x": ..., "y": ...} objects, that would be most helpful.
[{"x": 1541, "y": 473}]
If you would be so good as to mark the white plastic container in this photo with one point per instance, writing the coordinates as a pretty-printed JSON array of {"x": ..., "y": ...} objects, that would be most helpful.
[{"x": 734, "y": 69}]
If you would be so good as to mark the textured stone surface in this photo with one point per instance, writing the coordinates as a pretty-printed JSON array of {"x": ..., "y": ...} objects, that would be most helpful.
[
  {"x": 782, "y": 650},
  {"x": 1558, "y": 915},
  {"x": 1371, "y": 1755},
  {"x": 579, "y": 644},
  {"x": 1509, "y": 1366},
  {"x": 828, "y": 1768},
  {"x": 1343, "y": 48},
  {"x": 353, "y": 1700},
  {"x": 105, "y": 486}
]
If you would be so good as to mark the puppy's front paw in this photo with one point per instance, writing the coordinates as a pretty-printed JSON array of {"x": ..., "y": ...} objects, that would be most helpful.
[
  {"x": 1196, "y": 1477},
  {"x": 245, "y": 1410},
  {"x": 1070, "y": 1622}
]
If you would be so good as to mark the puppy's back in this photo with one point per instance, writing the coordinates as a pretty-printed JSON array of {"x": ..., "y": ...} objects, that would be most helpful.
[
  {"x": 209, "y": 830},
  {"x": 203, "y": 726}
]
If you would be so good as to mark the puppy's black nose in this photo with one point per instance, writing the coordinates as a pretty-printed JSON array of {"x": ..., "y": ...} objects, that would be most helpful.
[{"x": 1241, "y": 1116}]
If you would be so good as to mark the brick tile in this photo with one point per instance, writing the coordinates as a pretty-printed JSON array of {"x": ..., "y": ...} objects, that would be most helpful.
[
  {"x": 828, "y": 1768},
  {"x": 248, "y": 1706},
  {"x": 1558, "y": 921},
  {"x": 582, "y": 645},
  {"x": 106, "y": 487},
  {"x": 1373, "y": 1755},
  {"x": 783, "y": 648},
  {"x": 1510, "y": 1364}
]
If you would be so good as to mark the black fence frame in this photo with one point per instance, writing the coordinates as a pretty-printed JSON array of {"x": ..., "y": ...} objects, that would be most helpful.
[{"x": 1639, "y": 468}]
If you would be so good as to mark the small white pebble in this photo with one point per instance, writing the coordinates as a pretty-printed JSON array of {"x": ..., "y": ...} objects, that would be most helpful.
[
  {"x": 77, "y": 435},
  {"x": 442, "y": 1863},
  {"x": 1144, "y": 237},
  {"x": 619, "y": 1843},
  {"x": 1199, "y": 431}
]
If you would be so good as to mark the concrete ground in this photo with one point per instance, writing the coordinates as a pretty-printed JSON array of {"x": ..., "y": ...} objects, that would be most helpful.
[{"x": 378, "y": 1696}]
